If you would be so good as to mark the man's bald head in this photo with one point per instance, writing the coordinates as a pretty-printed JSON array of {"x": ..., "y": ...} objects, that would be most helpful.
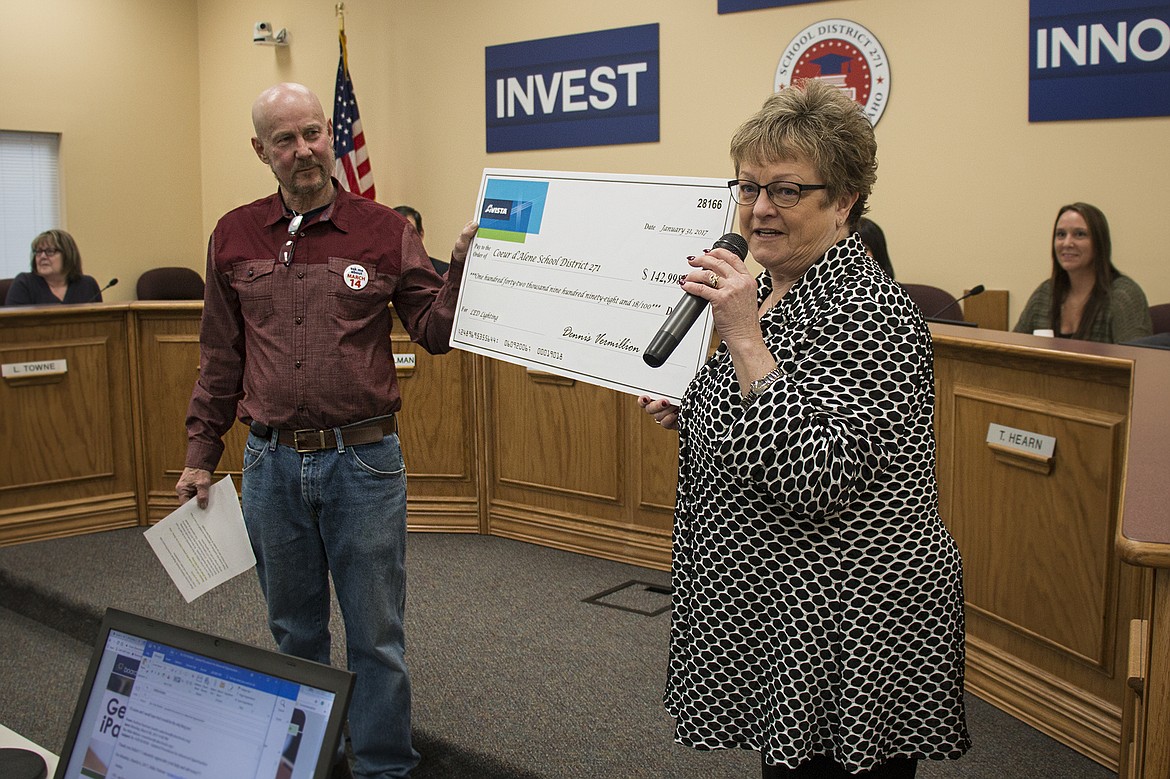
[{"x": 278, "y": 99}]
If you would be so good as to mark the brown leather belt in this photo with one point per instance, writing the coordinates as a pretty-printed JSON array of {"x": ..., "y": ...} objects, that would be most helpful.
[{"x": 368, "y": 431}]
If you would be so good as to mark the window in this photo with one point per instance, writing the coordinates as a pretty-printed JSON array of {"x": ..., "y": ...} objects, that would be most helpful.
[{"x": 30, "y": 202}]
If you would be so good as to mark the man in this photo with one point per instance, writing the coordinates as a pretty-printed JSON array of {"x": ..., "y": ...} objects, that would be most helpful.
[
  {"x": 295, "y": 339},
  {"x": 414, "y": 216}
]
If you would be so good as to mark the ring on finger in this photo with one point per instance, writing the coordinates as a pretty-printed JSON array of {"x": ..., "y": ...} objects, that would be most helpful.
[{"x": 713, "y": 279}]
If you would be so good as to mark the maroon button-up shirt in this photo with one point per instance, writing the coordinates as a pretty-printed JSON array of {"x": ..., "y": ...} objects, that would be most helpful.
[{"x": 307, "y": 344}]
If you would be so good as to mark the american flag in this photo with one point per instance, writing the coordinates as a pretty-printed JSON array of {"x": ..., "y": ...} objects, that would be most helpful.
[{"x": 349, "y": 144}]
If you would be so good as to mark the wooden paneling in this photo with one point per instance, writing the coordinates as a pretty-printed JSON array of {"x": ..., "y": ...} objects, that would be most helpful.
[
  {"x": 68, "y": 461},
  {"x": 657, "y": 463},
  {"x": 1049, "y": 604},
  {"x": 574, "y": 466},
  {"x": 1020, "y": 530},
  {"x": 1143, "y": 539},
  {"x": 1156, "y": 687},
  {"x": 493, "y": 447},
  {"x": 1146, "y": 736},
  {"x": 168, "y": 366},
  {"x": 103, "y": 445},
  {"x": 490, "y": 447},
  {"x": 557, "y": 439},
  {"x": 434, "y": 426},
  {"x": 439, "y": 431}
]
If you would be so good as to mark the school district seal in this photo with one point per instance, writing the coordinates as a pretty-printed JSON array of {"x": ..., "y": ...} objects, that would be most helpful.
[{"x": 846, "y": 55}]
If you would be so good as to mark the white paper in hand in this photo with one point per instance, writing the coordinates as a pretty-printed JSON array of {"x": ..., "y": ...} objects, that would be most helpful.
[{"x": 203, "y": 548}]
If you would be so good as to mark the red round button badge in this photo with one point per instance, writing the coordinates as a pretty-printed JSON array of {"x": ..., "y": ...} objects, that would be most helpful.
[{"x": 356, "y": 277}]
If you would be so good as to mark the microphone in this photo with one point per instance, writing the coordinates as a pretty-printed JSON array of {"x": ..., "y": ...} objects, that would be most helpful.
[
  {"x": 976, "y": 290},
  {"x": 687, "y": 311},
  {"x": 109, "y": 284}
]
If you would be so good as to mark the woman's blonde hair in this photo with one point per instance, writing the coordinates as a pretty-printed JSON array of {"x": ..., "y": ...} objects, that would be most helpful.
[{"x": 817, "y": 122}]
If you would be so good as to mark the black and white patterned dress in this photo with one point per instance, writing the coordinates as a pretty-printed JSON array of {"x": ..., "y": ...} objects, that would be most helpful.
[{"x": 818, "y": 604}]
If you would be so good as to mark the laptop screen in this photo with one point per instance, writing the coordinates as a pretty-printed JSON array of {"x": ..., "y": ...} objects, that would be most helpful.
[{"x": 164, "y": 701}]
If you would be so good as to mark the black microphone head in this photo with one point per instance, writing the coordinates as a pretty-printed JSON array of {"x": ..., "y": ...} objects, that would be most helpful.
[
  {"x": 112, "y": 283},
  {"x": 976, "y": 290},
  {"x": 733, "y": 242}
]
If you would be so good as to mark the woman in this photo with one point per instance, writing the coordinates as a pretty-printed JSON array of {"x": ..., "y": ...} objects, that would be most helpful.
[
  {"x": 875, "y": 244},
  {"x": 817, "y": 597},
  {"x": 1094, "y": 302},
  {"x": 56, "y": 275}
]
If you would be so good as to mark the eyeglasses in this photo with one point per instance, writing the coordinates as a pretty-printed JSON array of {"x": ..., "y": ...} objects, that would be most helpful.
[
  {"x": 46, "y": 252},
  {"x": 290, "y": 246},
  {"x": 784, "y": 194}
]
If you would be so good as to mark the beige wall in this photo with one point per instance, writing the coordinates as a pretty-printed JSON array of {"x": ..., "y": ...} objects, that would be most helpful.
[
  {"x": 118, "y": 80},
  {"x": 967, "y": 188}
]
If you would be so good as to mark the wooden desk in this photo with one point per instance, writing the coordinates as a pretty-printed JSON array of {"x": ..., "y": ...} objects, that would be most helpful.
[
  {"x": 69, "y": 461},
  {"x": 577, "y": 467},
  {"x": 1143, "y": 539},
  {"x": 437, "y": 427},
  {"x": 489, "y": 446},
  {"x": 1049, "y": 600},
  {"x": 1067, "y": 559},
  {"x": 101, "y": 445}
]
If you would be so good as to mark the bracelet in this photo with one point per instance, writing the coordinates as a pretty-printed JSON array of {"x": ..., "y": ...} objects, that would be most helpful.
[{"x": 757, "y": 387}]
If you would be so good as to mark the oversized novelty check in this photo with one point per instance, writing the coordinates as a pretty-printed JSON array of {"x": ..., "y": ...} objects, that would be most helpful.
[{"x": 574, "y": 273}]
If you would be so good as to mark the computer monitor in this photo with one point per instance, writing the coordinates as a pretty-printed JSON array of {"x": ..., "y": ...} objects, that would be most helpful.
[{"x": 160, "y": 700}]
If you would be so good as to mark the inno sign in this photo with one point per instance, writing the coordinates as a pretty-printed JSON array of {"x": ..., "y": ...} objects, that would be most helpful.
[{"x": 1098, "y": 59}]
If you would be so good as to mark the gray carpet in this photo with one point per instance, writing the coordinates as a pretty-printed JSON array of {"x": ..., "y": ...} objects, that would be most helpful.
[{"x": 515, "y": 673}]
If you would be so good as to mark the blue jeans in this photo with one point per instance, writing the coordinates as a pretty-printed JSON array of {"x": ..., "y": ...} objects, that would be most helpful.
[{"x": 339, "y": 511}]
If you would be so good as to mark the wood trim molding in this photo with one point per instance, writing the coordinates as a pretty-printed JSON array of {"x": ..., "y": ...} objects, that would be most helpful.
[
  {"x": 582, "y": 534},
  {"x": 1068, "y": 714}
]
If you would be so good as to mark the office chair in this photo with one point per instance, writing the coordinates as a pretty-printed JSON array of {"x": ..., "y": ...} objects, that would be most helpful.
[
  {"x": 4, "y": 285},
  {"x": 1160, "y": 314},
  {"x": 934, "y": 302},
  {"x": 170, "y": 284}
]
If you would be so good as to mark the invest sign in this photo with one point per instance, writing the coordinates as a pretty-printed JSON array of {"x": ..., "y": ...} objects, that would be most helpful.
[{"x": 592, "y": 89}]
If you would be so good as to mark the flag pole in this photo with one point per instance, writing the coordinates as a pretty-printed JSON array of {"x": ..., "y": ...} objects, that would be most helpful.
[
  {"x": 352, "y": 166},
  {"x": 340, "y": 10}
]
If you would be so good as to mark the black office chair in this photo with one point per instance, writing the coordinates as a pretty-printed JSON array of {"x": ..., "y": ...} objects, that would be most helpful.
[
  {"x": 170, "y": 284},
  {"x": 935, "y": 302},
  {"x": 4, "y": 285},
  {"x": 1160, "y": 314}
]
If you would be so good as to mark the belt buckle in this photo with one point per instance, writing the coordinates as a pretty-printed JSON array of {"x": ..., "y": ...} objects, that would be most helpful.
[{"x": 309, "y": 447}]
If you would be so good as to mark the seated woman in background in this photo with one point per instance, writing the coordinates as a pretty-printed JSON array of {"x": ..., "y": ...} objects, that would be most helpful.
[
  {"x": 56, "y": 275},
  {"x": 875, "y": 244},
  {"x": 1086, "y": 297}
]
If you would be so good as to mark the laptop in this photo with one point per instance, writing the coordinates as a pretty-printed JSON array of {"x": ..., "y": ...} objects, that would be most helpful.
[{"x": 161, "y": 701}]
